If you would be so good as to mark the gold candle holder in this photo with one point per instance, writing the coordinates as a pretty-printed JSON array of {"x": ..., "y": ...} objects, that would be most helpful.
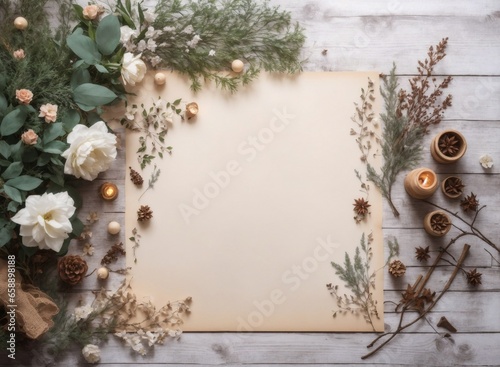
[
  {"x": 421, "y": 183},
  {"x": 109, "y": 191},
  {"x": 191, "y": 109}
]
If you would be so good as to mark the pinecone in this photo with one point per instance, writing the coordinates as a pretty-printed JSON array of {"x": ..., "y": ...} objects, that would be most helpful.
[
  {"x": 469, "y": 203},
  {"x": 72, "y": 269},
  {"x": 449, "y": 145},
  {"x": 439, "y": 223},
  {"x": 454, "y": 186},
  {"x": 135, "y": 177},
  {"x": 397, "y": 268},
  {"x": 144, "y": 213},
  {"x": 361, "y": 207},
  {"x": 473, "y": 277},
  {"x": 422, "y": 254}
]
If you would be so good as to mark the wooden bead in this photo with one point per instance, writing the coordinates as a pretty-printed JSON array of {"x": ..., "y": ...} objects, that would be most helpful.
[
  {"x": 114, "y": 227},
  {"x": 102, "y": 273},
  {"x": 237, "y": 66},
  {"x": 20, "y": 23},
  {"x": 160, "y": 78}
]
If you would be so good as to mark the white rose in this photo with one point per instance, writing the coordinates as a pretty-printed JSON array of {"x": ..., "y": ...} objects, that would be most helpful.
[
  {"x": 45, "y": 220},
  {"x": 133, "y": 68},
  {"x": 91, "y": 353},
  {"x": 91, "y": 151}
]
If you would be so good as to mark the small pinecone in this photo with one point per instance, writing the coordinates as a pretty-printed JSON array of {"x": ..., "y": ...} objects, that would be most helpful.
[
  {"x": 422, "y": 254},
  {"x": 473, "y": 277},
  {"x": 144, "y": 213},
  {"x": 397, "y": 268},
  {"x": 72, "y": 269},
  {"x": 470, "y": 202},
  {"x": 135, "y": 177}
]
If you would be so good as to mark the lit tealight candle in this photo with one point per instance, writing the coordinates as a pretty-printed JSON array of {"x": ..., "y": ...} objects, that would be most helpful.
[
  {"x": 421, "y": 183},
  {"x": 109, "y": 191},
  {"x": 191, "y": 109}
]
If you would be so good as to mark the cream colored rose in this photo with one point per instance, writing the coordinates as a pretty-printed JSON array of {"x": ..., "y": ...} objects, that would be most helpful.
[
  {"x": 24, "y": 96},
  {"x": 90, "y": 12},
  {"x": 29, "y": 137},
  {"x": 91, "y": 353},
  {"x": 49, "y": 112},
  {"x": 91, "y": 151},
  {"x": 133, "y": 69},
  {"x": 19, "y": 54}
]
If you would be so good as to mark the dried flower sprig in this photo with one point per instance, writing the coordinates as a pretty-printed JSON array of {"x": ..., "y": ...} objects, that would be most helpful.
[
  {"x": 407, "y": 117},
  {"x": 136, "y": 239}
]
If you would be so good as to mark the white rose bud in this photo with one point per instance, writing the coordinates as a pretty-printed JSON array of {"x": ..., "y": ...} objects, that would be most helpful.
[{"x": 91, "y": 353}]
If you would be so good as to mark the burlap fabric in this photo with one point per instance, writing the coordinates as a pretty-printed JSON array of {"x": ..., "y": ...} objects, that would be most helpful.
[{"x": 34, "y": 309}]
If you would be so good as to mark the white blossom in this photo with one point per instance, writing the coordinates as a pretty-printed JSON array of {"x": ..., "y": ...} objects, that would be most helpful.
[
  {"x": 45, "y": 220},
  {"x": 211, "y": 53},
  {"x": 133, "y": 69},
  {"x": 194, "y": 41},
  {"x": 150, "y": 16},
  {"x": 168, "y": 29},
  {"x": 88, "y": 249},
  {"x": 82, "y": 312},
  {"x": 141, "y": 46},
  {"x": 152, "y": 33},
  {"x": 130, "y": 112},
  {"x": 486, "y": 161},
  {"x": 127, "y": 34},
  {"x": 155, "y": 60},
  {"x": 91, "y": 150},
  {"x": 151, "y": 45},
  {"x": 188, "y": 30},
  {"x": 91, "y": 353}
]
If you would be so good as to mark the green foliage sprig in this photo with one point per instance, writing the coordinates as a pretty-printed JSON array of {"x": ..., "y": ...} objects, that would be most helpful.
[
  {"x": 407, "y": 118},
  {"x": 262, "y": 36},
  {"x": 360, "y": 280}
]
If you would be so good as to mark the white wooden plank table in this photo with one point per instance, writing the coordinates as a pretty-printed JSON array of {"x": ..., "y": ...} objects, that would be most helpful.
[{"x": 370, "y": 35}]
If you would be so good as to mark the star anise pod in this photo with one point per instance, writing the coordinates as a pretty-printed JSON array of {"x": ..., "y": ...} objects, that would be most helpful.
[
  {"x": 144, "y": 213},
  {"x": 408, "y": 295},
  {"x": 449, "y": 145},
  {"x": 439, "y": 223},
  {"x": 361, "y": 207},
  {"x": 422, "y": 254},
  {"x": 470, "y": 202},
  {"x": 428, "y": 295},
  {"x": 473, "y": 277},
  {"x": 454, "y": 186}
]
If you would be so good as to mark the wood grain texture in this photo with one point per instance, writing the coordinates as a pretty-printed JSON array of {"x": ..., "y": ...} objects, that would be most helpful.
[{"x": 370, "y": 35}]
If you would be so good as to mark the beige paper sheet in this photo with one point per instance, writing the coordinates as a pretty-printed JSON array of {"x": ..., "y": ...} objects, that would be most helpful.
[{"x": 254, "y": 204}]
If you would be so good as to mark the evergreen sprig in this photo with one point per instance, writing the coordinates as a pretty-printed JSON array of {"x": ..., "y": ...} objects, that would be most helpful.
[
  {"x": 407, "y": 117},
  {"x": 360, "y": 280},
  {"x": 262, "y": 36}
]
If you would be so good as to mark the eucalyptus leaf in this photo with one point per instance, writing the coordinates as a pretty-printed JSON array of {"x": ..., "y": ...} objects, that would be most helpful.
[
  {"x": 4, "y": 149},
  {"x": 89, "y": 94},
  {"x": 14, "y": 170},
  {"x": 52, "y": 132},
  {"x": 79, "y": 76},
  {"x": 3, "y": 103},
  {"x": 77, "y": 226},
  {"x": 70, "y": 120},
  {"x": 43, "y": 159},
  {"x": 12, "y": 207},
  {"x": 108, "y": 34},
  {"x": 84, "y": 48},
  {"x": 13, "y": 193},
  {"x": 5, "y": 235},
  {"x": 100, "y": 68},
  {"x": 24, "y": 182},
  {"x": 64, "y": 249},
  {"x": 55, "y": 147},
  {"x": 13, "y": 121}
]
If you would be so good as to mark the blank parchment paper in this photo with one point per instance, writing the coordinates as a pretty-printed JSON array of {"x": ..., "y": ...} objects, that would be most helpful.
[{"x": 254, "y": 203}]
